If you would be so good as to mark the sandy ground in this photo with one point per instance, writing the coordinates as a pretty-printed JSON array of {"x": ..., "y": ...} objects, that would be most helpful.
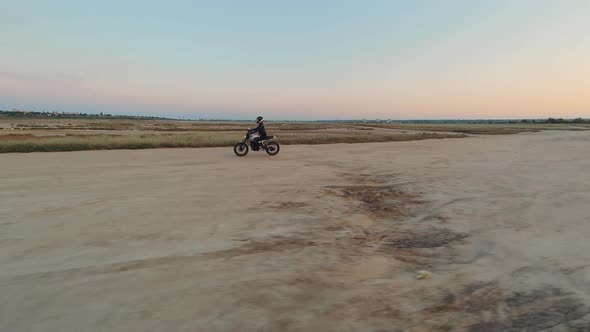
[{"x": 318, "y": 238}]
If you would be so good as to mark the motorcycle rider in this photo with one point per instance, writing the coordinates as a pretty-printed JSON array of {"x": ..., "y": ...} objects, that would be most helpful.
[
  {"x": 260, "y": 142},
  {"x": 259, "y": 129}
]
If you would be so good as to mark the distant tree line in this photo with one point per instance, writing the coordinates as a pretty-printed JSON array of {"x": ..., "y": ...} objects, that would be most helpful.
[
  {"x": 460, "y": 121},
  {"x": 561, "y": 120},
  {"x": 480, "y": 121},
  {"x": 554, "y": 120},
  {"x": 70, "y": 115}
]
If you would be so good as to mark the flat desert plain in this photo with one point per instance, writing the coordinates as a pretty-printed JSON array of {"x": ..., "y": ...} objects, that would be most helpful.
[{"x": 318, "y": 238}]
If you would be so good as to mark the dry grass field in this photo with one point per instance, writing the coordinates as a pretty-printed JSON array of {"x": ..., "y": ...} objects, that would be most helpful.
[{"x": 30, "y": 135}]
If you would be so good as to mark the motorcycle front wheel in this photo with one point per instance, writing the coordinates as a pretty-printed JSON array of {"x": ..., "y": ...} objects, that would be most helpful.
[
  {"x": 241, "y": 149},
  {"x": 272, "y": 148}
]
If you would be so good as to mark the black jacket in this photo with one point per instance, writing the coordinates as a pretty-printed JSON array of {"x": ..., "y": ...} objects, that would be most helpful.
[{"x": 260, "y": 130}]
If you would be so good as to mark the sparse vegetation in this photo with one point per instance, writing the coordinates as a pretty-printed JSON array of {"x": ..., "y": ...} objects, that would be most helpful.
[
  {"x": 483, "y": 129},
  {"x": 30, "y": 143},
  {"x": 29, "y": 135}
]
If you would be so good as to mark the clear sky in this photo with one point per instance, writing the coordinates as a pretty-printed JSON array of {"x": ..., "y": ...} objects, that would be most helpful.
[{"x": 304, "y": 59}]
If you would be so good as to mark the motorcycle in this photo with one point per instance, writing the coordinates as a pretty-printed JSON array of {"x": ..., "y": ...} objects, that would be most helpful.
[{"x": 251, "y": 141}]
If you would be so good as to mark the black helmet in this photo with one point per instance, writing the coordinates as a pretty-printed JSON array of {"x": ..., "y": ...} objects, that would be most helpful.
[{"x": 259, "y": 118}]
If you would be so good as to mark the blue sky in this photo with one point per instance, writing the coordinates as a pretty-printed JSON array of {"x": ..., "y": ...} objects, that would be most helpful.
[{"x": 298, "y": 59}]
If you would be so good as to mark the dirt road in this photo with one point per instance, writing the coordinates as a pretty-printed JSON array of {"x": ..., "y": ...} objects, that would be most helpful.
[{"x": 318, "y": 238}]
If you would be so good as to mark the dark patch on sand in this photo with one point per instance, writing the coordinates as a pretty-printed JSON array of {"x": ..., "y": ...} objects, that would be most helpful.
[
  {"x": 537, "y": 310},
  {"x": 278, "y": 243},
  {"x": 485, "y": 306},
  {"x": 423, "y": 239},
  {"x": 379, "y": 201},
  {"x": 289, "y": 205}
]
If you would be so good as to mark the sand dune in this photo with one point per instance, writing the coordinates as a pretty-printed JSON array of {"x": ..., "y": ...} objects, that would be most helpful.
[{"x": 318, "y": 238}]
